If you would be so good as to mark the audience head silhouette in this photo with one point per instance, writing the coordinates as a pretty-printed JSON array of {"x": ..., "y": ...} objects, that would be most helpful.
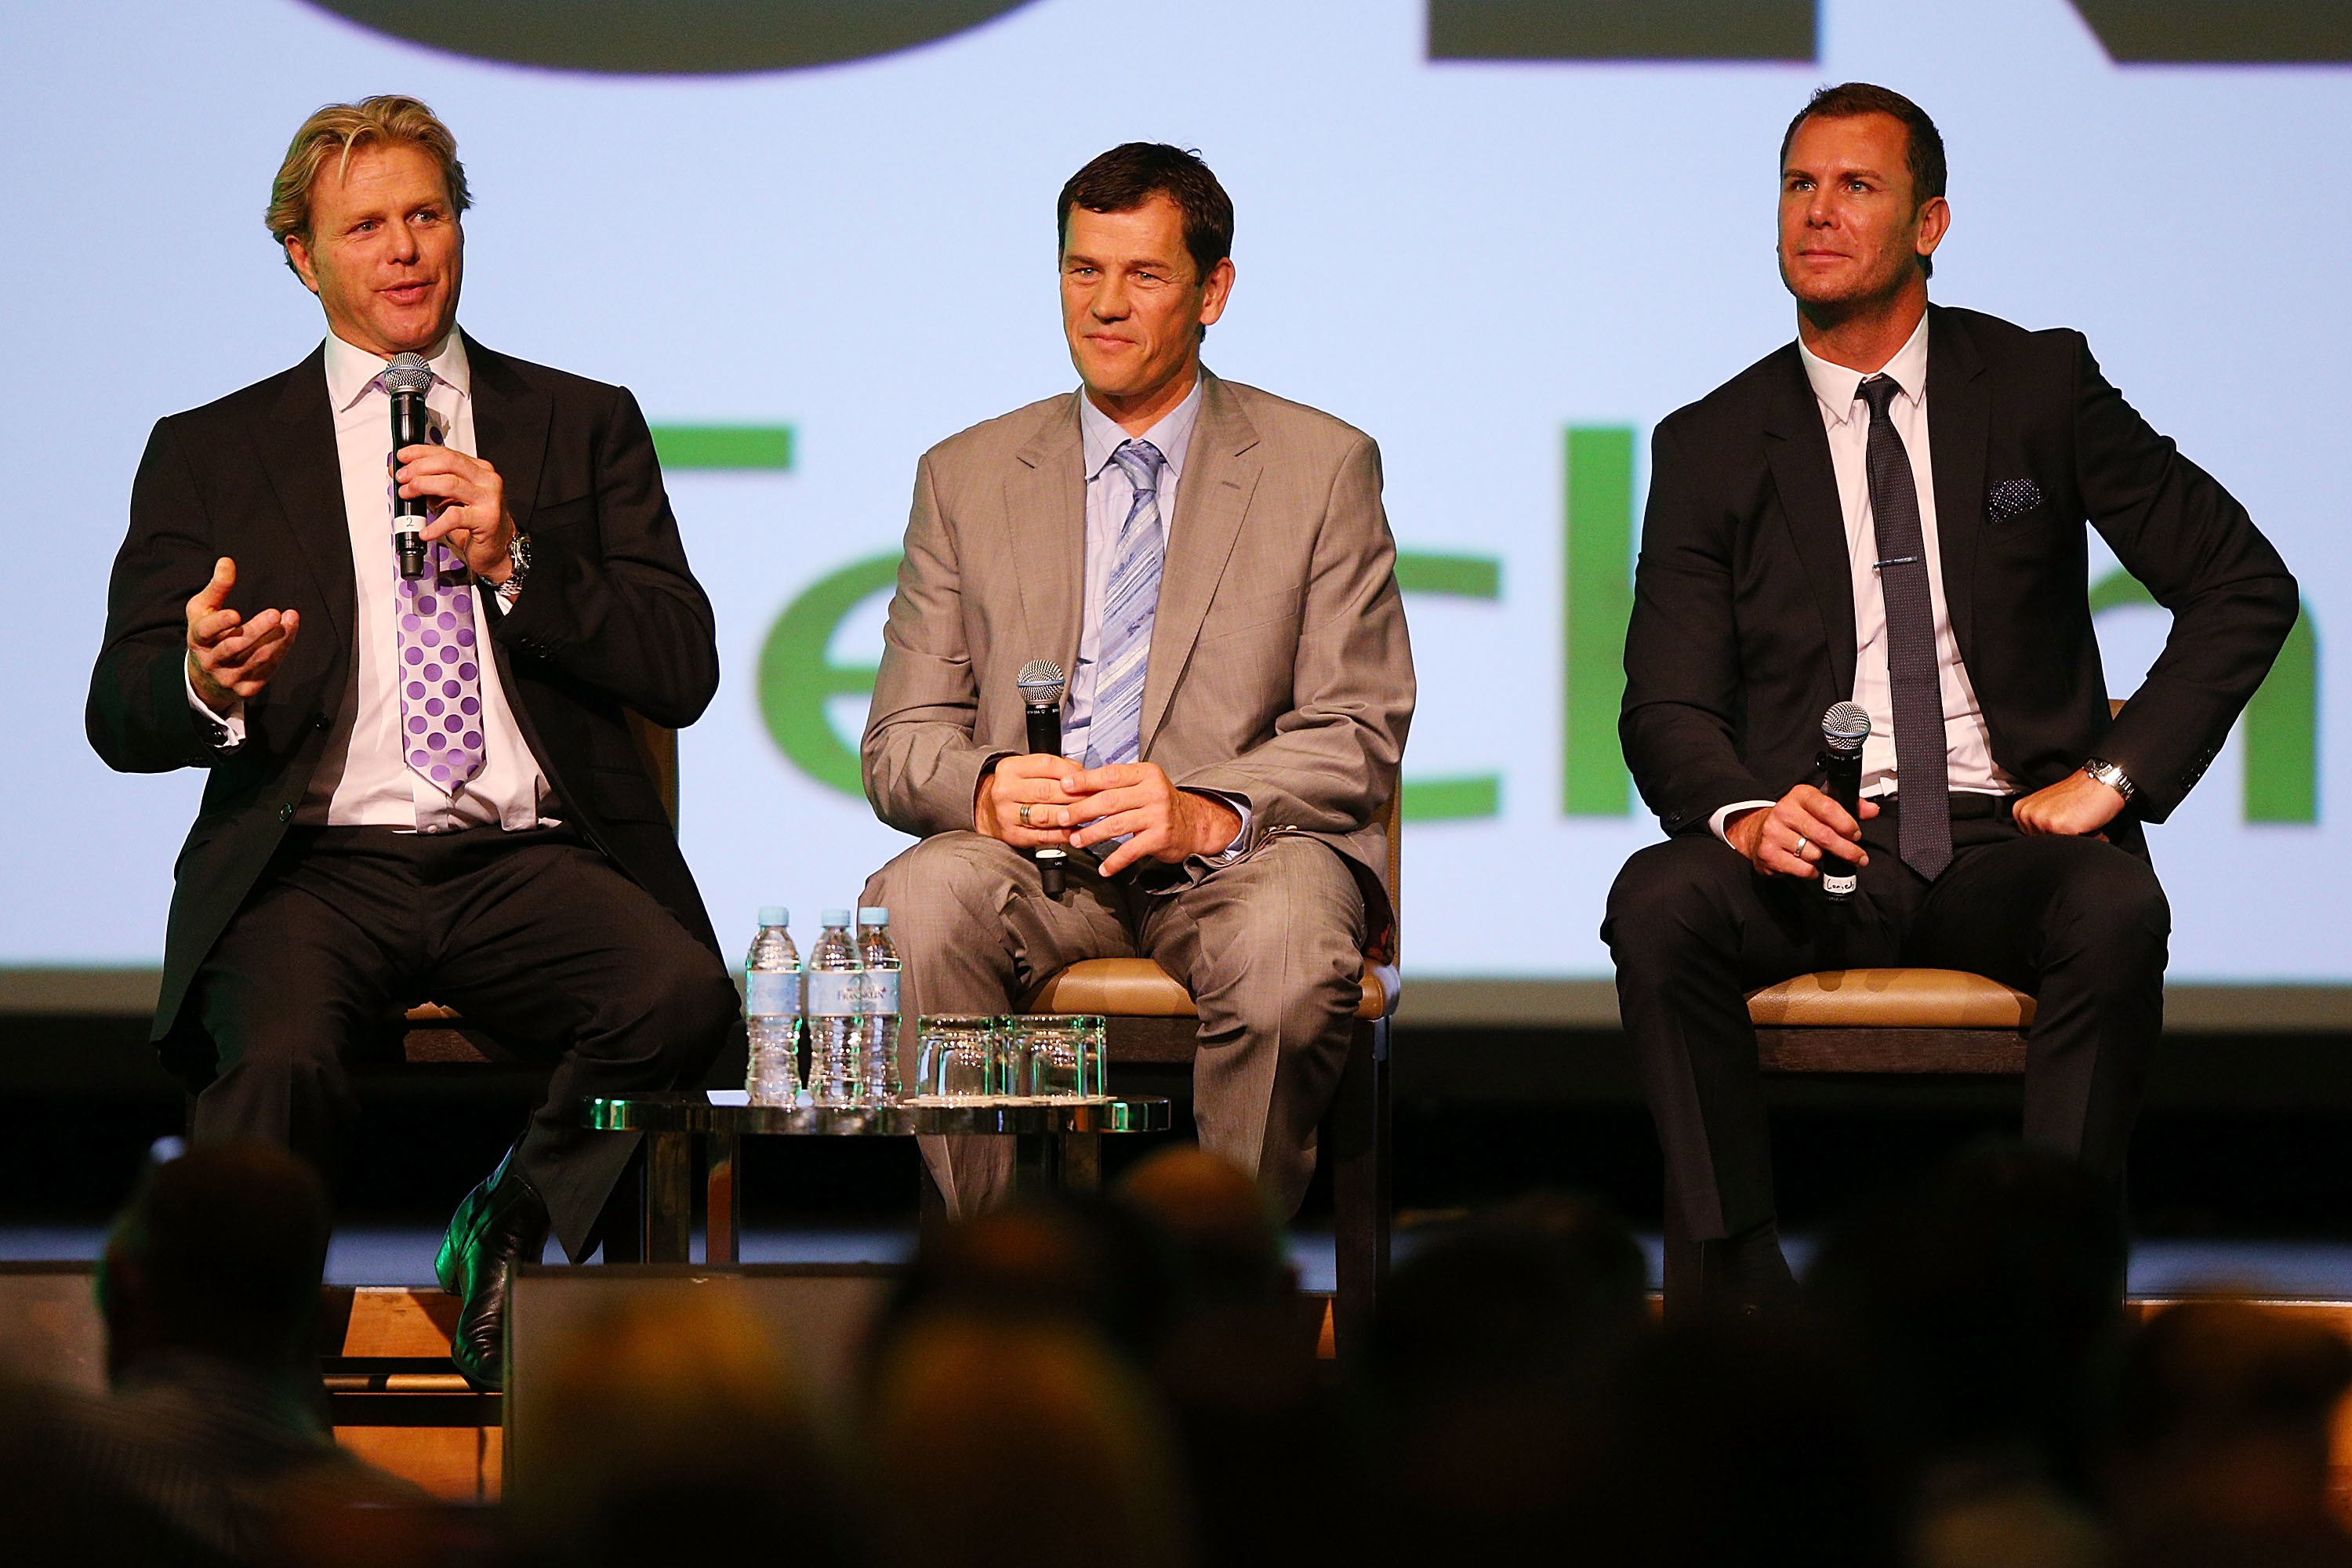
[{"x": 219, "y": 1252}]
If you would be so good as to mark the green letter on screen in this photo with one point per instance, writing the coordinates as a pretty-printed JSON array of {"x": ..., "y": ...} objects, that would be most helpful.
[
  {"x": 797, "y": 681},
  {"x": 1597, "y": 602}
]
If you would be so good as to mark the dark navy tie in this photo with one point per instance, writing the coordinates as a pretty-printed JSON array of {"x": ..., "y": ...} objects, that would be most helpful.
[{"x": 1925, "y": 834}]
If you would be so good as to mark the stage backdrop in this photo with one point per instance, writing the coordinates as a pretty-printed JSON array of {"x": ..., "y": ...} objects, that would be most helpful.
[{"x": 1503, "y": 236}]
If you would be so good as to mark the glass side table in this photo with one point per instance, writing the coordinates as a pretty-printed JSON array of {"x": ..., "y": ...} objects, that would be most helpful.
[{"x": 1057, "y": 1143}]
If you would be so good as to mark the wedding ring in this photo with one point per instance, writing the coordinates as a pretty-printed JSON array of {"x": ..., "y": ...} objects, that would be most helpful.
[
  {"x": 1802, "y": 842},
  {"x": 1023, "y": 814}
]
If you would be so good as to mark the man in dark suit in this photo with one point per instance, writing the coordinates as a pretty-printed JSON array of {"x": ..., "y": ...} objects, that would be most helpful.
[
  {"x": 391, "y": 815},
  {"x": 1891, "y": 510}
]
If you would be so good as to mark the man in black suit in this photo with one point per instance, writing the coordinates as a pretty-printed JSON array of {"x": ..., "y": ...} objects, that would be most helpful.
[
  {"x": 390, "y": 815},
  {"x": 1891, "y": 510}
]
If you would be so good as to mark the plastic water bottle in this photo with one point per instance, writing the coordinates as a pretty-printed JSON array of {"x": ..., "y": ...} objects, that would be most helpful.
[
  {"x": 877, "y": 1022},
  {"x": 771, "y": 1006},
  {"x": 835, "y": 987}
]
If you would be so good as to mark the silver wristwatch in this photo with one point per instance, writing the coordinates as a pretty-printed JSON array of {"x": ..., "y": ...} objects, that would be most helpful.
[
  {"x": 519, "y": 568},
  {"x": 2114, "y": 777}
]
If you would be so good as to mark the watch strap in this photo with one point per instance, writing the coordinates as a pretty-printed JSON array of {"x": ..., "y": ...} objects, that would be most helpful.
[{"x": 2109, "y": 774}]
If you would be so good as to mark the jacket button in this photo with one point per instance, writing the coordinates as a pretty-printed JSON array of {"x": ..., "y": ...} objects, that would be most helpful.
[
  {"x": 318, "y": 720},
  {"x": 286, "y": 812}
]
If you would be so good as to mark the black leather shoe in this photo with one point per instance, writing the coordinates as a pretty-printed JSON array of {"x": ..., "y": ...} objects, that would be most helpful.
[{"x": 501, "y": 1221}]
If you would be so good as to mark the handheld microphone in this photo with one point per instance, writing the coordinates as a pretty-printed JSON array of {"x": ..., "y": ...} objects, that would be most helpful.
[
  {"x": 1843, "y": 729},
  {"x": 408, "y": 378},
  {"x": 1042, "y": 683}
]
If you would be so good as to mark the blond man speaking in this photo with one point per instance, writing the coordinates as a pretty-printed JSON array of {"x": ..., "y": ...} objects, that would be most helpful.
[{"x": 419, "y": 785}]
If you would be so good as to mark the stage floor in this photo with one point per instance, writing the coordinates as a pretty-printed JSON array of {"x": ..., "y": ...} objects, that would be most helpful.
[{"x": 403, "y": 1255}]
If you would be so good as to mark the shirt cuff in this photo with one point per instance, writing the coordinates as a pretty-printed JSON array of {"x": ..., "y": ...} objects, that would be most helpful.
[
  {"x": 1231, "y": 851},
  {"x": 228, "y": 729},
  {"x": 1714, "y": 824}
]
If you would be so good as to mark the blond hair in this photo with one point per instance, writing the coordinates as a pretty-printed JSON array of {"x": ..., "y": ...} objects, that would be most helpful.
[{"x": 338, "y": 131}]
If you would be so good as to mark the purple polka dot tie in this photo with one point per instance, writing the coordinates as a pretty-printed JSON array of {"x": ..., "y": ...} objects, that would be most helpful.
[
  {"x": 440, "y": 678},
  {"x": 440, "y": 669}
]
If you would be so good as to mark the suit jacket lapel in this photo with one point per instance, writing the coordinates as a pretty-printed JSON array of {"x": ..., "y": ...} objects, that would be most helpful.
[
  {"x": 1045, "y": 533},
  {"x": 1799, "y": 451},
  {"x": 1220, "y": 474},
  {"x": 510, "y": 421},
  {"x": 1959, "y": 422},
  {"x": 306, "y": 473},
  {"x": 510, "y": 424}
]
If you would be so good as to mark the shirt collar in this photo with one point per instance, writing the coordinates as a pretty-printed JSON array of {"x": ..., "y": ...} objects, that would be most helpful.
[
  {"x": 1101, "y": 434},
  {"x": 1836, "y": 385},
  {"x": 352, "y": 372}
]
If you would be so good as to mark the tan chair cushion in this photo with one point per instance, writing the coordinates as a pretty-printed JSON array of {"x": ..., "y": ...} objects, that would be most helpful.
[
  {"x": 433, "y": 1032},
  {"x": 1890, "y": 999},
  {"x": 1139, "y": 988}
]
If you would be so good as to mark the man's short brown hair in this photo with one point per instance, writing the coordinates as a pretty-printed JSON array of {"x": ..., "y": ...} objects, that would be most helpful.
[
  {"x": 1925, "y": 150},
  {"x": 338, "y": 131},
  {"x": 1128, "y": 175}
]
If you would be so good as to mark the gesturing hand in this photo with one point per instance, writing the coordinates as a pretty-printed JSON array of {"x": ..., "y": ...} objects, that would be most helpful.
[
  {"x": 231, "y": 659},
  {"x": 1788, "y": 838},
  {"x": 473, "y": 515}
]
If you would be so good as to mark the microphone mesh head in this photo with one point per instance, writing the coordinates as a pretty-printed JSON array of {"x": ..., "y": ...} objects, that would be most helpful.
[
  {"x": 408, "y": 373},
  {"x": 1042, "y": 682},
  {"x": 1845, "y": 726}
]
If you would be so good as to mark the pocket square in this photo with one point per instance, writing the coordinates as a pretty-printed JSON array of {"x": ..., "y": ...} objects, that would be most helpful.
[{"x": 2010, "y": 497}]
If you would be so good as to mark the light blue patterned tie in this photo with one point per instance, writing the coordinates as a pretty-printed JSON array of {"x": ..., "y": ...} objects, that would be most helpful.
[{"x": 1115, "y": 734}]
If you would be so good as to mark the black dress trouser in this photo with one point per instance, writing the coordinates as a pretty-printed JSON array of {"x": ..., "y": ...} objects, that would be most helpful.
[
  {"x": 2079, "y": 923},
  {"x": 532, "y": 935}
]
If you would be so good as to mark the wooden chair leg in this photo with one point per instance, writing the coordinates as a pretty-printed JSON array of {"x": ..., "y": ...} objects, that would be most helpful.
[{"x": 1357, "y": 1136}]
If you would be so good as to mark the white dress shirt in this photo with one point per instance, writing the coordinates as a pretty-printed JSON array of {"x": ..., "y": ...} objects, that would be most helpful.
[
  {"x": 1968, "y": 743},
  {"x": 1109, "y": 494},
  {"x": 364, "y": 779}
]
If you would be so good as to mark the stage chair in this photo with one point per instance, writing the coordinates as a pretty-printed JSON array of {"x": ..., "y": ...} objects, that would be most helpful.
[
  {"x": 1152, "y": 1020},
  {"x": 1895, "y": 1020},
  {"x": 1883, "y": 1021},
  {"x": 432, "y": 1034}
]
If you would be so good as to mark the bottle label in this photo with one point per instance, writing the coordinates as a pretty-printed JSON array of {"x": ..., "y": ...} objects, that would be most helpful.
[
  {"x": 832, "y": 993},
  {"x": 881, "y": 990},
  {"x": 771, "y": 993}
]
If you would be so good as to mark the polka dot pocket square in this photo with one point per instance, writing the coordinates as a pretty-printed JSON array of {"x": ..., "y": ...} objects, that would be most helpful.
[{"x": 2012, "y": 498}]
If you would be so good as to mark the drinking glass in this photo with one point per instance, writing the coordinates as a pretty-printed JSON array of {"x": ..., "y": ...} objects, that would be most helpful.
[
  {"x": 959, "y": 1056},
  {"x": 1056, "y": 1056}
]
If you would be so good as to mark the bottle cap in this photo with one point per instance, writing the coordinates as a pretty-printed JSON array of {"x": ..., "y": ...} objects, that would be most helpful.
[
  {"x": 873, "y": 915},
  {"x": 836, "y": 917},
  {"x": 774, "y": 915}
]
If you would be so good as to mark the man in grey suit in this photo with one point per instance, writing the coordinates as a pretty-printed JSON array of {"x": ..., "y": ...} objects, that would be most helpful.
[{"x": 1211, "y": 566}]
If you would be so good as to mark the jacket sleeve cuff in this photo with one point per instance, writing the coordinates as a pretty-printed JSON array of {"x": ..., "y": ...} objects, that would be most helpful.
[
  {"x": 1233, "y": 851},
  {"x": 227, "y": 729}
]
